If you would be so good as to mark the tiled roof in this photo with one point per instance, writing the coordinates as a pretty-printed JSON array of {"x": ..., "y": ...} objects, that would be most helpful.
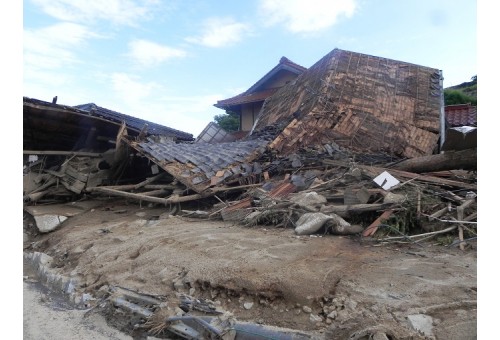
[
  {"x": 133, "y": 122},
  {"x": 461, "y": 115},
  {"x": 201, "y": 165},
  {"x": 252, "y": 94},
  {"x": 243, "y": 98}
]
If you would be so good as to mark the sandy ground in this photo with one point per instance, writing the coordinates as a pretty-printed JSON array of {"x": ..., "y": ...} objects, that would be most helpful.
[
  {"x": 46, "y": 317},
  {"x": 330, "y": 285}
]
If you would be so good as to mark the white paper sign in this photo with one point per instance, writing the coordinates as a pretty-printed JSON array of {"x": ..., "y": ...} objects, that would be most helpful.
[{"x": 386, "y": 180}]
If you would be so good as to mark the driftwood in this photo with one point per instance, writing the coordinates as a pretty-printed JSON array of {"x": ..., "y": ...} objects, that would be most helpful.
[{"x": 464, "y": 159}]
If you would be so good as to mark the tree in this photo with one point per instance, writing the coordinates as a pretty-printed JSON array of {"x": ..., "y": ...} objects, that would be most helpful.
[
  {"x": 229, "y": 121},
  {"x": 453, "y": 97}
]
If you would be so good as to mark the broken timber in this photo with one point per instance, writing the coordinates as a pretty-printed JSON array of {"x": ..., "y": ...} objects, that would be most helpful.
[
  {"x": 464, "y": 159},
  {"x": 375, "y": 171}
]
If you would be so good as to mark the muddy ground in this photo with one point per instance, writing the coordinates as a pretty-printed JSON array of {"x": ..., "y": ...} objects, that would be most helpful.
[{"x": 327, "y": 286}]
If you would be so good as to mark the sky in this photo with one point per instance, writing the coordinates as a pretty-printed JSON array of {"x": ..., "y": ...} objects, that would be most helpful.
[{"x": 169, "y": 61}]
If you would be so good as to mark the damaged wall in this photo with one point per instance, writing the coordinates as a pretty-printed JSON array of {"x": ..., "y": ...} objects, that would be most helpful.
[{"x": 360, "y": 102}]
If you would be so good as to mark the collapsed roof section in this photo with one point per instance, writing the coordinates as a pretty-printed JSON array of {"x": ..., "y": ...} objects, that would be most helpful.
[
  {"x": 135, "y": 123},
  {"x": 361, "y": 102},
  {"x": 202, "y": 165},
  {"x": 50, "y": 126}
]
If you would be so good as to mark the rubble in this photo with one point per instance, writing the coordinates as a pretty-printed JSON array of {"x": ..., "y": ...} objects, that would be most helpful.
[{"x": 359, "y": 161}]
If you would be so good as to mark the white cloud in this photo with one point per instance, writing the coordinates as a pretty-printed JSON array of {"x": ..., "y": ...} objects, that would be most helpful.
[
  {"x": 146, "y": 100},
  {"x": 124, "y": 12},
  {"x": 130, "y": 90},
  {"x": 305, "y": 16},
  {"x": 54, "y": 46},
  {"x": 220, "y": 32},
  {"x": 148, "y": 53}
]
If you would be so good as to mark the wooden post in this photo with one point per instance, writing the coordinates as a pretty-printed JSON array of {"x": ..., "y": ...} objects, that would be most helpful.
[{"x": 460, "y": 217}]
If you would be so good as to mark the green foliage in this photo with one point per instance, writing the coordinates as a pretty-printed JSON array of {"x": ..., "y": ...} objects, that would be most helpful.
[
  {"x": 462, "y": 94},
  {"x": 453, "y": 97},
  {"x": 229, "y": 121}
]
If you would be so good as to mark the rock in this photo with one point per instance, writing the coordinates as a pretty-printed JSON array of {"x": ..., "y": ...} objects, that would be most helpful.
[
  {"x": 379, "y": 336},
  {"x": 47, "y": 223},
  {"x": 307, "y": 309},
  {"x": 248, "y": 305},
  {"x": 315, "y": 318},
  {"x": 421, "y": 323},
  {"x": 350, "y": 304},
  {"x": 332, "y": 315},
  {"x": 192, "y": 291},
  {"x": 342, "y": 315}
]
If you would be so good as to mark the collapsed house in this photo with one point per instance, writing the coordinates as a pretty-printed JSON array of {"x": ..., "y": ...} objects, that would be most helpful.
[
  {"x": 346, "y": 147},
  {"x": 342, "y": 128}
]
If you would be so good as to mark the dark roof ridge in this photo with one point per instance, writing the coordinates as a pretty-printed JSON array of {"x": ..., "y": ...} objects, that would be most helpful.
[{"x": 134, "y": 122}]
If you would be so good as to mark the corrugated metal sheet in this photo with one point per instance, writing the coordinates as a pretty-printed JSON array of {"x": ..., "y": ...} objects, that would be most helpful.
[
  {"x": 202, "y": 165},
  {"x": 361, "y": 102}
]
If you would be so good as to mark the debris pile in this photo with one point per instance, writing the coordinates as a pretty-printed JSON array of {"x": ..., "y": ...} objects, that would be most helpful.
[{"x": 315, "y": 190}]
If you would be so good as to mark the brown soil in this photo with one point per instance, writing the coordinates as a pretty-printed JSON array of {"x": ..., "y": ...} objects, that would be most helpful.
[{"x": 360, "y": 285}]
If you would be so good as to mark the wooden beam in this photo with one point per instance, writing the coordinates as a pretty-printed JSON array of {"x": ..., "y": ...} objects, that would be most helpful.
[
  {"x": 141, "y": 197},
  {"x": 463, "y": 159},
  {"x": 62, "y": 153}
]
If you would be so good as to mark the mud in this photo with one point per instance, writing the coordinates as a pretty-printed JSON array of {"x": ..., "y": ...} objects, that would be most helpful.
[{"x": 330, "y": 286}]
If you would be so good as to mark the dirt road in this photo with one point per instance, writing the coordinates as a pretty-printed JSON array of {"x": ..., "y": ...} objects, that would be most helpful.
[{"x": 326, "y": 285}]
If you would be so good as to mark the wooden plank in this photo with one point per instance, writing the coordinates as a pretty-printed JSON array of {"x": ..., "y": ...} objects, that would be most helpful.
[
  {"x": 62, "y": 153},
  {"x": 460, "y": 217},
  {"x": 372, "y": 228}
]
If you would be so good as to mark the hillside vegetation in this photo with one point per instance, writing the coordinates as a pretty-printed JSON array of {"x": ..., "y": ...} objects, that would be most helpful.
[{"x": 462, "y": 94}]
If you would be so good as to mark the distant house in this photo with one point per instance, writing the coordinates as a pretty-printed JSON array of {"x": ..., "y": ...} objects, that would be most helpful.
[{"x": 248, "y": 104}]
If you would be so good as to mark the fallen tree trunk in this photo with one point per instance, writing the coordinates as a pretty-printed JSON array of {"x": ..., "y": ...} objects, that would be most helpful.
[{"x": 464, "y": 159}]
